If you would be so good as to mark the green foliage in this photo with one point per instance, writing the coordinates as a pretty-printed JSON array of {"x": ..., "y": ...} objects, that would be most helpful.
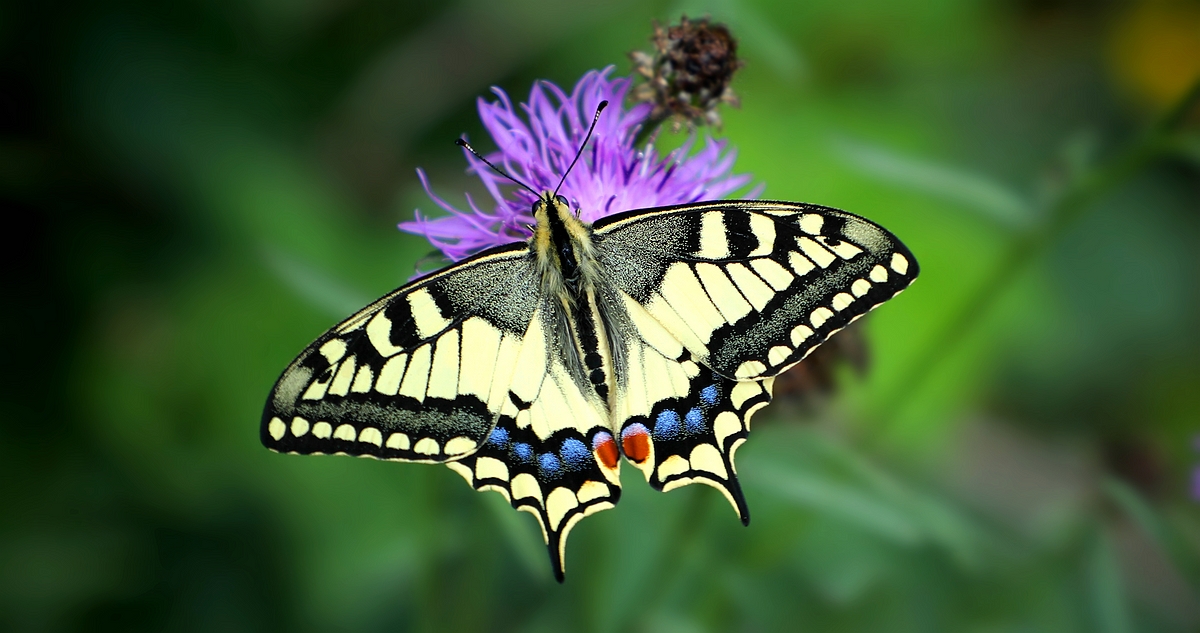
[{"x": 198, "y": 189}]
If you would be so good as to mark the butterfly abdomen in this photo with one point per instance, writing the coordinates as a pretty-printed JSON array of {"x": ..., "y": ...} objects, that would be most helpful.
[{"x": 570, "y": 276}]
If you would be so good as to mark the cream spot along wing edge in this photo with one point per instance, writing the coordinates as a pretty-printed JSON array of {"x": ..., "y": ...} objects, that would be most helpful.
[
  {"x": 551, "y": 455},
  {"x": 391, "y": 381},
  {"x": 849, "y": 266}
]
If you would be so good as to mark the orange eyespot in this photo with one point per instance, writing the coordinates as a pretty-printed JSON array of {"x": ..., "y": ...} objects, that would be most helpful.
[
  {"x": 635, "y": 442},
  {"x": 606, "y": 450}
]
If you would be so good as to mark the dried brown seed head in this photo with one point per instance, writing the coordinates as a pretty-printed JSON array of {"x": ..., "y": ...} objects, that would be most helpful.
[{"x": 689, "y": 74}]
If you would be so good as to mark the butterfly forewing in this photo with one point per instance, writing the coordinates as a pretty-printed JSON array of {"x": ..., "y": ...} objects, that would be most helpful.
[
  {"x": 751, "y": 287},
  {"x": 391, "y": 382}
]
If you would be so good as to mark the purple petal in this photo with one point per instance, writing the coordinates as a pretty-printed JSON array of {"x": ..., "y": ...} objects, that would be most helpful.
[{"x": 537, "y": 141}]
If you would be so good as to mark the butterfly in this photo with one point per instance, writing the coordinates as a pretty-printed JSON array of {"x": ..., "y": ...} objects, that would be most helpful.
[{"x": 533, "y": 369}]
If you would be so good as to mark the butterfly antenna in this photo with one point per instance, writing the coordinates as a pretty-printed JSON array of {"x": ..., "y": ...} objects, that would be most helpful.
[
  {"x": 462, "y": 143},
  {"x": 595, "y": 118}
]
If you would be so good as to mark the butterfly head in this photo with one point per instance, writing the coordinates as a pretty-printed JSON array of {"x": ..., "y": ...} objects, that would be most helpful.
[
  {"x": 561, "y": 243},
  {"x": 548, "y": 204}
]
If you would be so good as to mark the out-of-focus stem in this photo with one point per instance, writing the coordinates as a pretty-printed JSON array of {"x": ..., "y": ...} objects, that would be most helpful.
[
  {"x": 1060, "y": 214},
  {"x": 649, "y": 129}
]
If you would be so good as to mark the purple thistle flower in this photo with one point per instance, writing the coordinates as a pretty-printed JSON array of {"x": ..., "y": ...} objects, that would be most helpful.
[{"x": 611, "y": 176}]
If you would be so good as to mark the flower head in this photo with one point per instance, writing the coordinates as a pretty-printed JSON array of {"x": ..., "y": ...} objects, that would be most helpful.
[{"x": 537, "y": 142}]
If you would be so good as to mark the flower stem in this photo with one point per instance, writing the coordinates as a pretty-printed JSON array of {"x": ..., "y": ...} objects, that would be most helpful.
[
  {"x": 649, "y": 129},
  {"x": 1072, "y": 204}
]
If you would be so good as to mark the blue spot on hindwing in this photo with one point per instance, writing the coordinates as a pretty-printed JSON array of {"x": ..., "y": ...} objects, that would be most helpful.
[
  {"x": 498, "y": 438},
  {"x": 694, "y": 420},
  {"x": 523, "y": 451},
  {"x": 709, "y": 395},
  {"x": 548, "y": 464},
  {"x": 667, "y": 425},
  {"x": 576, "y": 454}
]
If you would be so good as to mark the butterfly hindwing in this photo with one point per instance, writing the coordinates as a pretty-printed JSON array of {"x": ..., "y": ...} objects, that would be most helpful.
[
  {"x": 390, "y": 382},
  {"x": 690, "y": 434},
  {"x": 751, "y": 287},
  {"x": 551, "y": 452},
  {"x": 679, "y": 421},
  {"x": 559, "y": 479}
]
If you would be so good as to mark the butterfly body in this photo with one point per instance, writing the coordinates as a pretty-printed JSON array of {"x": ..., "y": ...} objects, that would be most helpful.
[{"x": 531, "y": 369}]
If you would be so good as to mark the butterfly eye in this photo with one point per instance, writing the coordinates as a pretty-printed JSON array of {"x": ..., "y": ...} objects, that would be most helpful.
[{"x": 562, "y": 200}]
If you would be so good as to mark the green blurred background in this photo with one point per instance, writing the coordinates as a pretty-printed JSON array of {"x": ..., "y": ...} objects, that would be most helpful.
[{"x": 210, "y": 185}]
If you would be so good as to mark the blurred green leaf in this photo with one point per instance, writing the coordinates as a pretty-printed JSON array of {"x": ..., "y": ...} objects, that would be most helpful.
[
  {"x": 520, "y": 533},
  {"x": 1078, "y": 153},
  {"x": 319, "y": 289},
  {"x": 843, "y": 564},
  {"x": 1106, "y": 595},
  {"x": 841, "y": 483},
  {"x": 1186, "y": 146},
  {"x": 834, "y": 499},
  {"x": 1160, "y": 532},
  {"x": 973, "y": 191}
]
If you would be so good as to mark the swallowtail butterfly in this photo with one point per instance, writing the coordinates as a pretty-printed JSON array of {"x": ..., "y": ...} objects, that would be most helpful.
[{"x": 531, "y": 369}]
